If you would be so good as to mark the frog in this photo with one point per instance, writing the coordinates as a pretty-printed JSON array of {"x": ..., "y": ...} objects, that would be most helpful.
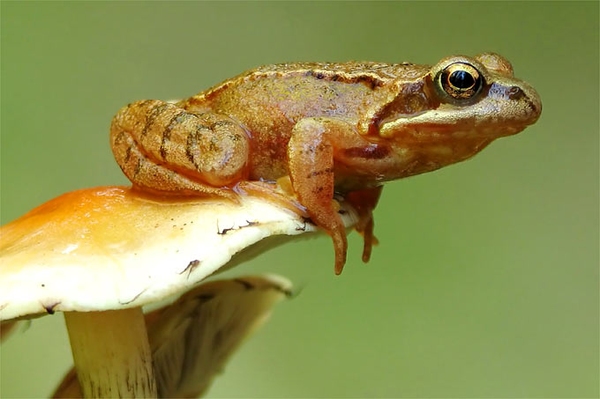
[{"x": 318, "y": 133}]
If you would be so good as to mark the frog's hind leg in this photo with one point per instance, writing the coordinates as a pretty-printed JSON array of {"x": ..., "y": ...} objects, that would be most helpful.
[
  {"x": 364, "y": 201},
  {"x": 164, "y": 181},
  {"x": 164, "y": 148}
]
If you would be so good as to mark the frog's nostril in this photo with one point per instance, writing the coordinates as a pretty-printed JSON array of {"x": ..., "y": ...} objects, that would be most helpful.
[{"x": 515, "y": 93}]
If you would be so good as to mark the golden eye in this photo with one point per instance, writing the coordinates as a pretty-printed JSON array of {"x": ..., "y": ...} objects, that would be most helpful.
[{"x": 460, "y": 80}]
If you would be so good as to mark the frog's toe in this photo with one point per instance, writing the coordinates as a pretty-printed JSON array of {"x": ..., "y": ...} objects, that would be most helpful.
[{"x": 340, "y": 246}]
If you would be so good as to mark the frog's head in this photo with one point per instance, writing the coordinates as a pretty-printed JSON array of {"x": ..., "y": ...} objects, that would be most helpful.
[{"x": 459, "y": 99}]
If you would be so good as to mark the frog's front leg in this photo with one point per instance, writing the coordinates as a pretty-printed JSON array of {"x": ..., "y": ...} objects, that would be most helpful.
[
  {"x": 315, "y": 146},
  {"x": 164, "y": 148}
]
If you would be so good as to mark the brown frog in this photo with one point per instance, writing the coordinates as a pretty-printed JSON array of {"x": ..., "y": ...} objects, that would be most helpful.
[{"x": 321, "y": 129}]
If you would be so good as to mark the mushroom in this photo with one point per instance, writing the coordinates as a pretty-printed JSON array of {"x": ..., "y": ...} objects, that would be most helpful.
[
  {"x": 192, "y": 338},
  {"x": 100, "y": 254}
]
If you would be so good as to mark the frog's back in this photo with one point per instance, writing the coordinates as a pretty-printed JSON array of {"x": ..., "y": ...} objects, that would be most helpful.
[
  {"x": 268, "y": 101},
  {"x": 373, "y": 74},
  {"x": 297, "y": 90}
]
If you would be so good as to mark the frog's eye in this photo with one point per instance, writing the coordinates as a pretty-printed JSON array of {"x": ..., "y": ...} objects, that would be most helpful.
[{"x": 460, "y": 81}]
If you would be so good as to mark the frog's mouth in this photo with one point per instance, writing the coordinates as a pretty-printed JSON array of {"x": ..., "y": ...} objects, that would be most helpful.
[
  {"x": 504, "y": 109},
  {"x": 424, "y": 130},
  {"x": 440, "y": 127}
]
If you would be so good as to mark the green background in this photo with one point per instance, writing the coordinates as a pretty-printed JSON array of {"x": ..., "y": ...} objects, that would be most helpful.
[{"x": 486, "y": 280}]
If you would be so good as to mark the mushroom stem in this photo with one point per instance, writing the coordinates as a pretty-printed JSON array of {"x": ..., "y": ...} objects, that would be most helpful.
[{"x": 111, "y": 353}]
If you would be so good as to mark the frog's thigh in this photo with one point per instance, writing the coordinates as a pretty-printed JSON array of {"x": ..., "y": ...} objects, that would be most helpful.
[
  {"x": 172, "y": 145},
  {"x": 154, "y": 177},
  {"x": 310, "y": 157},
  {"x": 210, "y": 147}
]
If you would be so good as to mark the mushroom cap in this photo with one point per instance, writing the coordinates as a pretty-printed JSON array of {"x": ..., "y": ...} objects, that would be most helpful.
[{"x": 112, "y": 247}]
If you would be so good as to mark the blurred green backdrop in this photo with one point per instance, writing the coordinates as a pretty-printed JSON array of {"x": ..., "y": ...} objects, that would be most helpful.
[{"x": 486, "y": 280}]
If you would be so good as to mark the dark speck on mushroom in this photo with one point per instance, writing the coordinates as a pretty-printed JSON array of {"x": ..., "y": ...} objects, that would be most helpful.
[
  {"x": 191, "y": 266},
  {"x": 50, "y": 308},
  {"x": 134, "y": 298}
]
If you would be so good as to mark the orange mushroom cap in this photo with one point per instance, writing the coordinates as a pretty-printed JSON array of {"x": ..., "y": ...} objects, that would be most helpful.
[{"x": 114, "y": 248}]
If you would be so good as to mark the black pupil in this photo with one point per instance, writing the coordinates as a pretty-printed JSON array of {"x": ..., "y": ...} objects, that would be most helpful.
[{"x": 461, "y": 79}]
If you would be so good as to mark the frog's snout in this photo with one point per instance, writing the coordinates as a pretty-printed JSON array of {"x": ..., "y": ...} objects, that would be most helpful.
[
  {"x": 529, "y": 101},
  {"x": 516, "y": 101},
  {"x": 534, "y": 103}
]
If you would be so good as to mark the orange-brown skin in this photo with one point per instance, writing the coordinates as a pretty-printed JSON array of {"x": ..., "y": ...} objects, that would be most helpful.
[{"x": 331, "y": 128}]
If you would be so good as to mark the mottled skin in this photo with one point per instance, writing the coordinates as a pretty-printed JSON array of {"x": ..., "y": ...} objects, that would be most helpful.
[{"x": 331, "y": 128}]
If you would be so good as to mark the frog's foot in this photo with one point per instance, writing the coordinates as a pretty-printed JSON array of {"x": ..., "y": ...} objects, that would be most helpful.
[
  {"x": 364, "y": 201},
  {"x": 273, "y": 193},
  {"x": 187, "y": 194},
  {"x": 327, "y": 219},
  {"x": 171, "y": 185}
]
